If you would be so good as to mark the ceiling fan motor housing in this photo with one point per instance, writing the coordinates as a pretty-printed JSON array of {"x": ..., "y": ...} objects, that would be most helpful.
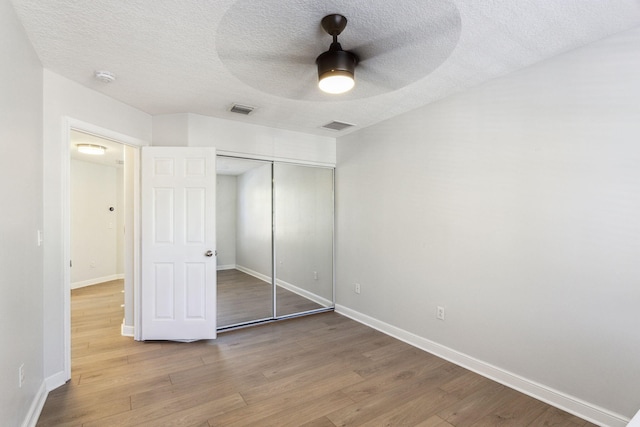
[{"x": 336, "y": 61}]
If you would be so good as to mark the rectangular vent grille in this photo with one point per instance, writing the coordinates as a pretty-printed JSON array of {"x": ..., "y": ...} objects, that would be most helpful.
[
  {"x": 337, "y": 125},
  {"x": 241, "y": 109}
]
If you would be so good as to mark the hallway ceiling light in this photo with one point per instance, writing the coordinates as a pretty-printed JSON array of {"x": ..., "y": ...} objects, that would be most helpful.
[{"x": 93, "y": 149}]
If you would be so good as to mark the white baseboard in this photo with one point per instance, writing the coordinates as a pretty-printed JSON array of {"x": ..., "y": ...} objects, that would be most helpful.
[
  {"x": 253, "y": 273},
  {"x": 31, "y": 419},
  {"x": 288, "y": 286},
  {"x": 55, "y": 381},
  {"x": 226, "y": 267},
  {"x": 305, "y": 294},
  {"x": 96, "y": 280},
  {"x": 573, "y": 405},
  {"x": 126, "y": 330},
  {"x": 635, "y": 421}
]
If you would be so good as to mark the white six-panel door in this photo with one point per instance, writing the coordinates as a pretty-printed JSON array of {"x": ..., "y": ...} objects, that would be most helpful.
[{"x": 178, "y": 286}]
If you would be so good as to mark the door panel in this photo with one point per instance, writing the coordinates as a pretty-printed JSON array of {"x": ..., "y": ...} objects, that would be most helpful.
[
  {"x": 245, "y": 279},
  {"x": 303, "y": 238},
  {"x": 178, "y": 295}
]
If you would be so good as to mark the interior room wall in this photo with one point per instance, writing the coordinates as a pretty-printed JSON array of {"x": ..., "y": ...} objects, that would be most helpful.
[
  {"x": 226, "y": 215},
  {"x": 253, "y": 237},
  {"x": 63, "y": 99},
  {"x": 21, "y": 257},
  {"x": 255, "y": 141},
  {"x": 96, "y": 232},
  {"x": 241, "y": 139},
  {"x": 515, "y": 206}
]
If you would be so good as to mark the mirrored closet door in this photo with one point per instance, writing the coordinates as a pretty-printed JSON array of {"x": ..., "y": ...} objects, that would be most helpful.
[
  {"x": 244, "y": 241},
  {"x": 274, "y": 240},
  {"x": 303, "y": 233}
]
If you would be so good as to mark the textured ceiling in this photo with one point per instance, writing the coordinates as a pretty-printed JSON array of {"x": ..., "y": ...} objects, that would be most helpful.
[{"x": 202, "y": 56}]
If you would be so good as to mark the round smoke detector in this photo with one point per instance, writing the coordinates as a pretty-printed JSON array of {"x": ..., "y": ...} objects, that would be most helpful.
[{"x": 105, "y": 76}]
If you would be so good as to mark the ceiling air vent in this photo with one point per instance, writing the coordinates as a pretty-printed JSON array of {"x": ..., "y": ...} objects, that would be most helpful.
[
  {"x": 241, "y": 109},
  {"x": 337, "y": 125}
]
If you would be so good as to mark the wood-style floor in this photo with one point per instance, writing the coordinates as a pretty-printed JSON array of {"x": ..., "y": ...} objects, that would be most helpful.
[
  {"x": 317, "y": 371},
  {"x": 244, "y": 298}
]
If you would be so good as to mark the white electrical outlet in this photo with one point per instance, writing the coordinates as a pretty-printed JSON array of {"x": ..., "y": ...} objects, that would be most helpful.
[
  {"x": 315, "y": 275},
  {"x": 21, "y": 375},
  {"x": 440, "y": 312},
  {"x": 357, "y": 288}
]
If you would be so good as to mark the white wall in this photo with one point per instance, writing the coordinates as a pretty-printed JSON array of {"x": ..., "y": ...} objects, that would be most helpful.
[
  {"x": 516, "y": 206},
  {"x": 243, "y": 139},
  {"x": 65, "y": 99},
  {"x": 21, "y": 295},
  {"x": 96, "y": 232},
  {"x": 253, "y": 224},
  {"x": 226, "y": 204},
  {"x": 260, "y": 141}
]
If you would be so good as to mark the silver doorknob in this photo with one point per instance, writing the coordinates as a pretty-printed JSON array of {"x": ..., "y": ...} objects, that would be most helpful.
[{"x": 208, "y": 253}]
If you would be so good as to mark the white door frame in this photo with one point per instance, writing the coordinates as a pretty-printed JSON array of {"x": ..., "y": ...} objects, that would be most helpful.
[{"x": 69, "y": 124}]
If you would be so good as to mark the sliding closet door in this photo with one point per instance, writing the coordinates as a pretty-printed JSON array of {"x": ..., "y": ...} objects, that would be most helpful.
[
  {"x": 244, "y": 241},
  {"x": 303, "y": 238}
]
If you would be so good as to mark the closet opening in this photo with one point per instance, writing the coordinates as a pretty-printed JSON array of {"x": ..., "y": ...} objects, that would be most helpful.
[{"x": 275, "y": 241}]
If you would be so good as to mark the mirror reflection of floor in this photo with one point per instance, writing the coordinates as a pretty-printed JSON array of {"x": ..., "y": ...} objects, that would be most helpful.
[{"x": 244, "y": 298}]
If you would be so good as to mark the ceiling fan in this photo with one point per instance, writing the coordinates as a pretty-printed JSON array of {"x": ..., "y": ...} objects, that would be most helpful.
[
  {"x": 281, "y": 50},
  {"x": 336, "y": 67}
]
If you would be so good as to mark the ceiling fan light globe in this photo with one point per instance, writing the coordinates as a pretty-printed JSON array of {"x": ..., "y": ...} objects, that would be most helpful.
[
  {"x": 336, "y": 70},
  {"x": 336, "y": 83}
]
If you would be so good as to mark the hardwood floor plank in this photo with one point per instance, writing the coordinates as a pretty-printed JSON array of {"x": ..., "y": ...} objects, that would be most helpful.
[
  {"x": 415, "y": 411},
  {"x": 473, "y": 406},
  {"x": 319, "y": 422},
  {"x": 299, "y": 381},
  {"x": 553, "y": 417},
  {"x": 286, "y": 400},
  {"x": 400, "y": 369},
  {"x": 389, "y": 395},
  {"x": 75, "y": 413},
  {"x": 304, "y": 412},
  {"x": 516, "y": 410},
  {"x": 217, "y": 388},
  {"x": 434, "y": 421},
  {"x": 177, "y": 411}
]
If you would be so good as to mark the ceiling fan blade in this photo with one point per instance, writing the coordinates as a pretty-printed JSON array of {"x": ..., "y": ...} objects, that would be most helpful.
[
  {"x": 285, "y": 58},
  {"x": 447, "y": 32},
  {"x": 366, "y": 75}
]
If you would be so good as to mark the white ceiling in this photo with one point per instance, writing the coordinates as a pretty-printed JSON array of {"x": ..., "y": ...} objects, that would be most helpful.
[{"x": 202, "y": 56}]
